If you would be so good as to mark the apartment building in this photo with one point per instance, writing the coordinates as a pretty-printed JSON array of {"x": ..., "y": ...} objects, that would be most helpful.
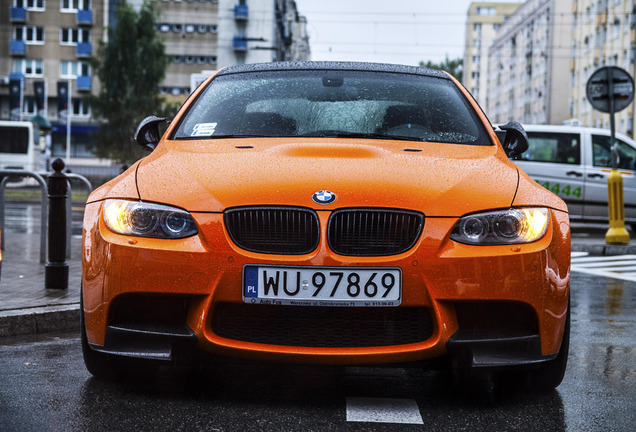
[
  {"x": 529, "y": 61},
  {"x": 204, "y": 35},
  {"x": 484, "y": 19},
  {"x": 604, "y": 34},
  {"x": 44, "y": 47}
]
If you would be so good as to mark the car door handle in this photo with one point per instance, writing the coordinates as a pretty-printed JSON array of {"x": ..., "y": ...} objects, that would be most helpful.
[
  {"x": 595, "y": 175},
  {"x": 574, "y": 173}
]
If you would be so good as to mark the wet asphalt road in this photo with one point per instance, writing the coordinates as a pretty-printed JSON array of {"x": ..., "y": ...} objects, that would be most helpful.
[{"x": 44, "y": 386}]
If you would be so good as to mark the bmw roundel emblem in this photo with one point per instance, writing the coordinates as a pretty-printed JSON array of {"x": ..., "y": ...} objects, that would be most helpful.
[{"x": 323, "y": 197}]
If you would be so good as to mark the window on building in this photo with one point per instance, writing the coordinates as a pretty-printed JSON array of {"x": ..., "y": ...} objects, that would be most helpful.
[
  {"x": 616, "y": 29},
  {"x": 73, "y": 69},
  {"x": 477, "y": 29},
  {"x": 81, "y": 108},
  {"x": 74, "y": 5},
  {"x": 32, "y": 5},
  {"x": 486, "y": 11},
  {"x": 29, "y": 34},
  {"x": 28, "y": 67},
  {"x": 30, "y": 107},
  {"x": 73, "y": 36}
]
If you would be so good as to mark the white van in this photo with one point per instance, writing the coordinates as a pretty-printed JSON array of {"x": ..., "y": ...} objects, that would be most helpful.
[
  {"x": 19, "y": 146},
  {"x": 574, "y": 162}
]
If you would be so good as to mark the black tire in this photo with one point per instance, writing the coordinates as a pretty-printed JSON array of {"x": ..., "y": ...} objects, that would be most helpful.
[
  {"x": 550, "y": 374},
  {"x": 100, "y": 365}
]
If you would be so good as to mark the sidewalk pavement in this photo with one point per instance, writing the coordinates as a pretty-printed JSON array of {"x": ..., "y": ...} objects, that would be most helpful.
[{"x": 26, "y": 307}]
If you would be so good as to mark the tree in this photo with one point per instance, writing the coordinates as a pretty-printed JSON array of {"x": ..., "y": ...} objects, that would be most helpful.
[
  {"x": 455, "y": 67},
  {"x": 130, "y": 68}
]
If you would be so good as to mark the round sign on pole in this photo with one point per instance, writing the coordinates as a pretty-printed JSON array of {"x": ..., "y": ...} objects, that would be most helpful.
[{"x": 609, "y": 86}]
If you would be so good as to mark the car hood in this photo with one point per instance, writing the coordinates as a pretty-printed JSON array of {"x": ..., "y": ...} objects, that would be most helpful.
[{"x": 436, "y": 179}]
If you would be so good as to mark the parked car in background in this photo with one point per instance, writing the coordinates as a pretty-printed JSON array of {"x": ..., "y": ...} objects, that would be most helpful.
[
  {"x": 574, "y": 162},
  {"x": 329, "y": 213}
]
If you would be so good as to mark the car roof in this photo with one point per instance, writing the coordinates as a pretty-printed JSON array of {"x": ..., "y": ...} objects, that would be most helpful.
[{"x": 330, "y": 65}]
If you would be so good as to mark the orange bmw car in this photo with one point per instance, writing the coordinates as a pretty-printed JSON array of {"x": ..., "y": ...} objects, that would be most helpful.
[{"x": 328, "y": 213}]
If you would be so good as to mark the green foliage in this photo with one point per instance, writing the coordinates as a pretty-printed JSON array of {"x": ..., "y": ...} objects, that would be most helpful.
[
  {"x": 130, "y": 68},
  {"x": 455, "y": 67}
]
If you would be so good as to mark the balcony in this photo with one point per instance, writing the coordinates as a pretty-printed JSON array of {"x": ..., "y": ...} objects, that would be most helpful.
[
  {"x": 17, "y": 15},
  {"x": 17, "y": 47},
  {"x": 84, "y": 83},
  {"x": 84, "y": 49},
  {"x": 239, "y": 43},
  {"x": 241, "y": 12},
  {"x": 85, "y": 17}
]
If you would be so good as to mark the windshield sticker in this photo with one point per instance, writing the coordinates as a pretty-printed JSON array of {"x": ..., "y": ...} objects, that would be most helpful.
[{"x": 203, "y": 129}]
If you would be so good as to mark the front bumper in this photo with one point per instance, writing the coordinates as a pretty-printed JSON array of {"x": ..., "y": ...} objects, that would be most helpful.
[{"x": 500, "y": 304}]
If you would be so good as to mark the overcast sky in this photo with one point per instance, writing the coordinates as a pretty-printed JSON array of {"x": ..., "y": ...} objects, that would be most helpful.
[{"x": 390, "y": 31}]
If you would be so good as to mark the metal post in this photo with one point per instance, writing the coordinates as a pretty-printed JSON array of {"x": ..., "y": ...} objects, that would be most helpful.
[
  {"x": 69, "y": 110},
  {"x": 615, "y": 200},
  {"x": 56, "y": 268}
]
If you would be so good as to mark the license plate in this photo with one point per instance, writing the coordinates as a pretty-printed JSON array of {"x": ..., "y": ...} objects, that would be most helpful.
[{"x": 322, "y": 286}]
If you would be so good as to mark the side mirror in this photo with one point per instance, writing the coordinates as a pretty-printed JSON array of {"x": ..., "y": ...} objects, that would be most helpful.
[
  {"x": 147, "y": 133},
  {"x": 516, "y": 140}
]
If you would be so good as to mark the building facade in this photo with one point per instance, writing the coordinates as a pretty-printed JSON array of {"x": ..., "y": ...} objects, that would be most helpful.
[
  {"x": 44, "y": 48},
  {"x": 604, "y": 34},
  {"x": 484, "y": 19},
  {"x": 202, "y": 36},
  {"x": 528, "y": 63}
]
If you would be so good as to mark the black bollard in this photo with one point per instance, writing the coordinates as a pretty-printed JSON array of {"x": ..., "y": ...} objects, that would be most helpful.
[{"x": 56, "y": 268}]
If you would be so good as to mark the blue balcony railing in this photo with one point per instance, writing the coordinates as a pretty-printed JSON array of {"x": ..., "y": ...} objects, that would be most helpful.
[
  {"x": 16, "y": 76},
  {"x": 17, "y": 14},
  {"x": 17, "y": 47},
  {"x": 239, "y": 43},
  {"x": 84, "y": 49},
  {"x": 85, "y": 17},
  {"x": 241, "y": 12},
  {"x": 84, "y": 83}
]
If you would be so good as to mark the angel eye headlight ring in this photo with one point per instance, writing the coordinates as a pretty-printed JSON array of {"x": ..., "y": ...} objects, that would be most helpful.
[
  {"x": 512, "y": 226},
  {"x": 144, "y": 219}
]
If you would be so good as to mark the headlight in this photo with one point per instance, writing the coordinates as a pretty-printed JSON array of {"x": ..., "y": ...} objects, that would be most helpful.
[
  {"x": 513, "y": 226},
  {"x": 142, "y": 219}
]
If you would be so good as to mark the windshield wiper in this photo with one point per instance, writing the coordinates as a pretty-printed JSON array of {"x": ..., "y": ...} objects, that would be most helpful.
[{"x": 344, "y": 134}]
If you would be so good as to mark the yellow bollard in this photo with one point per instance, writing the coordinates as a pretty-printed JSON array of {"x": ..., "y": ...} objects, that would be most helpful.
[{"x": 616, "y": 206}]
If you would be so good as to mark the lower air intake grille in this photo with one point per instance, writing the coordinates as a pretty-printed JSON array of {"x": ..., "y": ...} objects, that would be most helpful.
[
  {"x": 273, "y": 230},
  {"x": 373, "y": 232},
  {"x": 325, "y": 327}
]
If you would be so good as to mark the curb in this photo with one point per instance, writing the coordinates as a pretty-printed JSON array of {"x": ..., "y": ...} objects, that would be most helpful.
[{"x": 47, "y": 319}]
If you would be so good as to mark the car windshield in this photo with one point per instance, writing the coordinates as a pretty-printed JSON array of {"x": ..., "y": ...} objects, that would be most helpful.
[{"x": 324, "y": 103}]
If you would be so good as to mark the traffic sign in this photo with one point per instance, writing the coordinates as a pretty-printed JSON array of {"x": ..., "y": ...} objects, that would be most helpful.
[{"x": 610, "y": 89}]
